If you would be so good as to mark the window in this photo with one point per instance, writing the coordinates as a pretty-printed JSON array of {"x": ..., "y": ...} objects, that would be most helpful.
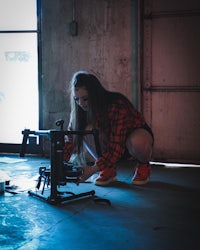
[{"x": 19, "y": 97}]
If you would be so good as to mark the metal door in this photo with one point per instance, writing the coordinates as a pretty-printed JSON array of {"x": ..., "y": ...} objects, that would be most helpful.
[{"x": 170, "y": 85}]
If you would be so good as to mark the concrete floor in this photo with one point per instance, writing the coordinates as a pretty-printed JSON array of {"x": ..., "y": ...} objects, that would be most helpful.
[{"x": 164, "y": 214}]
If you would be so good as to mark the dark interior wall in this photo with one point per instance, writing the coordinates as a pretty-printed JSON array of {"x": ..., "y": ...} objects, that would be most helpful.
[{"x": 102, "y": 46}]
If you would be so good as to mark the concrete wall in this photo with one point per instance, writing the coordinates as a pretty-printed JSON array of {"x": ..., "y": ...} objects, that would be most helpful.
[{"x": 102, "y": 46}]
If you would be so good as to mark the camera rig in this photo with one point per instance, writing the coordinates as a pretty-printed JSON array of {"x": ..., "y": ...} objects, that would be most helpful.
[{"x": 60, "y": 172}]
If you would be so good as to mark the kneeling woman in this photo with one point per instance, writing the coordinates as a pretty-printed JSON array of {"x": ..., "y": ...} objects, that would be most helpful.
[{"x": 121, "y": 128}]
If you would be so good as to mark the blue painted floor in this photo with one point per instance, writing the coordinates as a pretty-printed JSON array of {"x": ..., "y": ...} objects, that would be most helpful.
[{"x": 164, "y": 214}]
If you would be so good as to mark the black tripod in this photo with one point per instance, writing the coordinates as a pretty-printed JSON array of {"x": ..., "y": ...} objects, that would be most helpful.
[{"x": 60, "y": 172}]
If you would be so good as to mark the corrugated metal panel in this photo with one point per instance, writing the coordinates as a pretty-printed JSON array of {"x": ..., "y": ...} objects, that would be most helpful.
[{"x": 171, "y": 78}]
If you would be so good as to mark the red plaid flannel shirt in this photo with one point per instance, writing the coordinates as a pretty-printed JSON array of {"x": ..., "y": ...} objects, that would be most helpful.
[{"x": 123, "y": 119}]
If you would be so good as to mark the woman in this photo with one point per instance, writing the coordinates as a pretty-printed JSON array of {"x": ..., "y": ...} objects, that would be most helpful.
[{"x": 121, "y": 129}]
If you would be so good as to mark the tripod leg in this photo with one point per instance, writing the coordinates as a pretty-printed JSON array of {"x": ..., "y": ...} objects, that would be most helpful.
[
  {"x": 45, "y": 180},
  {"x": 24, "y": 142}
]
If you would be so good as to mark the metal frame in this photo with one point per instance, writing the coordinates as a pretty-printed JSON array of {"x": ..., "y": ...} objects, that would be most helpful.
[{"x": 58, "y": 174}]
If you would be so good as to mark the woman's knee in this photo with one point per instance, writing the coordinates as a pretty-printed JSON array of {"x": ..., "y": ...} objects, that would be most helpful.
[{"x": 140, "y": 144}]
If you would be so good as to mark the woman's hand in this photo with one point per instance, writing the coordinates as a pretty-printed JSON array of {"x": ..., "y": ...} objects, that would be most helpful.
[{"x": 88, "y": 171}]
